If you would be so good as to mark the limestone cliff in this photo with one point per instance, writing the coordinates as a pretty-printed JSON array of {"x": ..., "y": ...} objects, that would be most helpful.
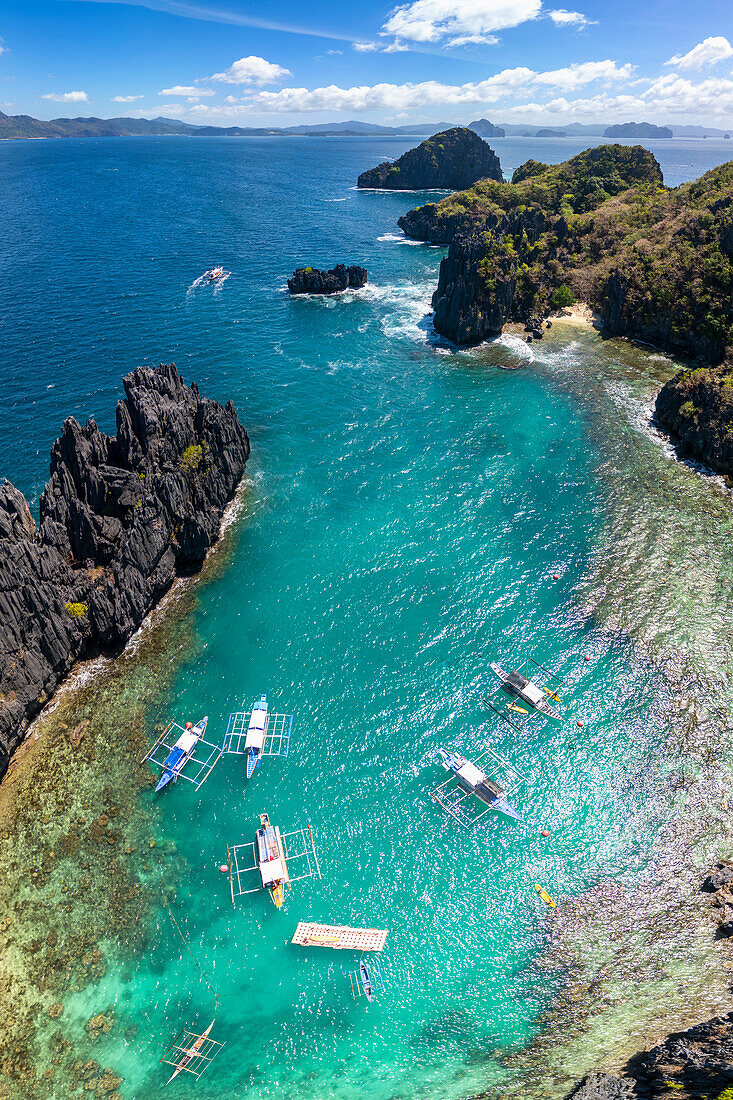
[
  {"x": 696, "y": 408},
  {"x": 451, "y": 160},
  {"x": 120, "y": 517},
  {"x": 311, "y": 280}
]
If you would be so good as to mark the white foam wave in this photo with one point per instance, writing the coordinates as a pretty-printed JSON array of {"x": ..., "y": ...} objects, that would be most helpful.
[
  {"x": 404, "y": 190},
  {"x": 399, "y": 238},
  {"x": 516, "y": 345}
]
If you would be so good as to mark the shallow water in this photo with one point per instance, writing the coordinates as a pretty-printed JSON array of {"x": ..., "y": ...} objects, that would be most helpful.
[{"x": 407, "y": 509}]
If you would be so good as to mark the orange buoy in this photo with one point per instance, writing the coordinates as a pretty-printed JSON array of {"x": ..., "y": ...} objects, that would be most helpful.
[
  {"x": 223, "y": 867},
  {"x": 579, "y": 724},
  {"x": 586, "y": 657},
  {"x": 545, "y": 832},
  {"x": 556, "y": 576}
]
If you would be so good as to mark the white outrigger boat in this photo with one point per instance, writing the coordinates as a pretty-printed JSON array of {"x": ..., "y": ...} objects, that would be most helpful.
[
  {"x": 528, "y": 691},
  {"x": 181, "y": 752},
  {"x": 189, "y": 1053},
  {"x": 256, "y": 731},
  {"x": 473, "y": 780}
]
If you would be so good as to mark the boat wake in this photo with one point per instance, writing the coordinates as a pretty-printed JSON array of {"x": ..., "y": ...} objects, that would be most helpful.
[{"x": 214, "y": 277}]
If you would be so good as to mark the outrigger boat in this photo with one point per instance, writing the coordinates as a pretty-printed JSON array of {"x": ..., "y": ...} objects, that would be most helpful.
[
  {"x": 181, "y": 752},
  {"x": 528, "y": 691},
  {"x": 271, "y": 859},
  {"x": 191, "y": 1052},
  {"x": 255, "y": 740},
  {"x": 473, "y": 780},
  {"x": 366, "y": 981}
]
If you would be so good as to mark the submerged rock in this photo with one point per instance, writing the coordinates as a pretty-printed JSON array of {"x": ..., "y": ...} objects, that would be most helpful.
[
  {"x": 311, "y": 280},
  {"x": 120, "y": 517},
  {"x": 452, "y": 159}
]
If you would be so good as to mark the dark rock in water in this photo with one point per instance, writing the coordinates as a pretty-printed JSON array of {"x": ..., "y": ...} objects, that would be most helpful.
[
  {"x": 695, "y": 1064},
  {"x": 453, "y": 159},
  {"x": 310, "y": 280},
  {"x": 696, "y": 408},
  {"x": 721, "y": 875},
  {"x": 120, "y": 517}
]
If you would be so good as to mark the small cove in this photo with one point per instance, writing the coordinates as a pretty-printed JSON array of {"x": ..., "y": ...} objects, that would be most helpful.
[{"x": 409, "y": 506}]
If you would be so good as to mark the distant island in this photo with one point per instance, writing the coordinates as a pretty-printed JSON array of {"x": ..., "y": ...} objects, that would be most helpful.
[
  {"x": 24, "y": 126},
  {"x": 486, "y": 129},
  {"x": 638, "y": 130},
  {"x": 551, "y": 133}
]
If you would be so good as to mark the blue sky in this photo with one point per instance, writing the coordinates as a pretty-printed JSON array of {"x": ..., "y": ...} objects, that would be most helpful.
[{"x": 250, "y": 63}]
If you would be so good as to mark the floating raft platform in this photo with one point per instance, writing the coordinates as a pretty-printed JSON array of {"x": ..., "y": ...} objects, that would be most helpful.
[{"x": 340, "y": 937}]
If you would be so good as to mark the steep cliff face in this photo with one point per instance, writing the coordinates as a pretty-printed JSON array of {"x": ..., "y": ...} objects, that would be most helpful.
[
  {"x": 452, "y": 160},
  {"x": 696, "y": 408},
  {"x": 120, "y": 517},
  {"x": 656, "y": 264}
]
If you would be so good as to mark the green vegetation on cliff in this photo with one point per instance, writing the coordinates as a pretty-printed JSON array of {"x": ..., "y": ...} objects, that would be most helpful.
[{"x": 655, "y": 262}]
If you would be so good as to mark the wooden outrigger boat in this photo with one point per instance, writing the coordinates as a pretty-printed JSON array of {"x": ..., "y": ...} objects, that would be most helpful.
[
  {"x": 366, "y": 981},
  {"x": 271, "y": 860},
  {"x": 181, "y": 752},
  {"x": 528, "y": 691},
  {"x": 191, "y": 1052},
  {"x": 473, "y": 780},
  {"x": 255, "y": 740}
]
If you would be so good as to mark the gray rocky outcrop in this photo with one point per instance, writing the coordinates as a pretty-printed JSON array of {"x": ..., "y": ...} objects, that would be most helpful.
[
  {"x": 696, "y": 408},
  {"x": 311, "y": 280},
  {"x": 695, "y": 1064},
  {"x": 120, "y": 517},
  {"x": 451, "y": 160}
]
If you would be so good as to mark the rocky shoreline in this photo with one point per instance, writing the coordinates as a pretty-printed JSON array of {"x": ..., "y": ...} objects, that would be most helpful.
[{"x": 120, "y": 518}]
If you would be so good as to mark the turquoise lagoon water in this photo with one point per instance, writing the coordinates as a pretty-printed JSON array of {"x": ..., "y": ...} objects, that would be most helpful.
[{"x": 406, "y": 511}]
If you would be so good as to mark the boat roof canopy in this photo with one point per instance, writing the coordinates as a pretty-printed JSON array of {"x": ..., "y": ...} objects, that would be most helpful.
[
  {"x": 187, "y": 740},
  {"x": 471, "y": 774},
  {"x": 271, "y": 871},
  {"x": 534, "y": 694}
]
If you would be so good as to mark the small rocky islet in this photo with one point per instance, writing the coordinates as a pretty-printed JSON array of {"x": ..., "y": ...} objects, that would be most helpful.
[
  {"x": 313, "y": 280},
  {"x": 120, "y": 518},
  {"x": 450, "y": 160}
]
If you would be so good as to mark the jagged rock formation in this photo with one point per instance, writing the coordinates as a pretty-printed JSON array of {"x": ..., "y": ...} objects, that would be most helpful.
[
  {"x": 486, "y": 129},
  {"x": 696, "y": 1064},
  {"x": 311, "y": 280},
  {"x": 655, "y": 263},
  {"x": 120, "y": 517},
  {"x": 696, "y": 408},
  {"x": 452, "y": 160},
  {"x": 637, "y": 130},
  {"x": 719, "y": 884}
]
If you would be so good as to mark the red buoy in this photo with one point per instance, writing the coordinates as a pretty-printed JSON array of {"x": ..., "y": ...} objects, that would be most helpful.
[
  {"x": 556, "y": 576},
  {"x": 587, "y": 657},
  {"x": 579, "y": 724},
  {"x": 545, "y": 832},
  {"x": 223, "y": 867}
]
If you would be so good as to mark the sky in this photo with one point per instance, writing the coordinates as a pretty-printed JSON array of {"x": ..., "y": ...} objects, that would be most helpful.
[{"x": 285, "y": 62}]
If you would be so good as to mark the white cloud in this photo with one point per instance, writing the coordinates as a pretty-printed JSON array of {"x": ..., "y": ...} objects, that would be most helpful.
[
  {"x": 252, "y": 70},
  {"x": 164, "y": 110},
  {"x": 426, "y": 95},
  {"x": 454, "y": 20},
  {"x": 125, "y": 98},
  {"x": 578, "y": 74},
  {"x": 708, "y": 52},
  {"x": 67, "y": 97},
  {"x": 563, "y": 18},
  {"x": 474, "y": 40},
  {"x": 334, "y": 53},
  {"x": 365, "y": 47},
  {"x": 192, "y": 94}
]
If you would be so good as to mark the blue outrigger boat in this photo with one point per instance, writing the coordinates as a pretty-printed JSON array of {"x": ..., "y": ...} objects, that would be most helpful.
[
  {"x": 473, "y": 780},
  {"x": 366, "y": 981},
  {"x": 255, "y": 741},
  {"x": 181, "y": 752}
]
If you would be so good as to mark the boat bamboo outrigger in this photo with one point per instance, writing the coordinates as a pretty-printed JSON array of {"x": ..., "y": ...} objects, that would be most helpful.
[
  {"x": 177, "y": 747},
  {"x": 257, "y": 733},
  {"x": 535, "y": 690},
  {"x": 191, "y": 1053},
  {"x": 267, "y": 864},
  {"x": 368, "y": 980},
  {"x": 467, "y": 779}
]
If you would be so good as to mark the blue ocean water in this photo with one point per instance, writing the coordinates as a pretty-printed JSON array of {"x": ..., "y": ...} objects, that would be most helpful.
[{"x": 408, "y": 508}]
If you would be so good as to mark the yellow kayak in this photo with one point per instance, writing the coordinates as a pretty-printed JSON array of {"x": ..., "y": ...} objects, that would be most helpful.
[
  {"x": 545, "y": 896},
  {"x": 519, "y": 710}
]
